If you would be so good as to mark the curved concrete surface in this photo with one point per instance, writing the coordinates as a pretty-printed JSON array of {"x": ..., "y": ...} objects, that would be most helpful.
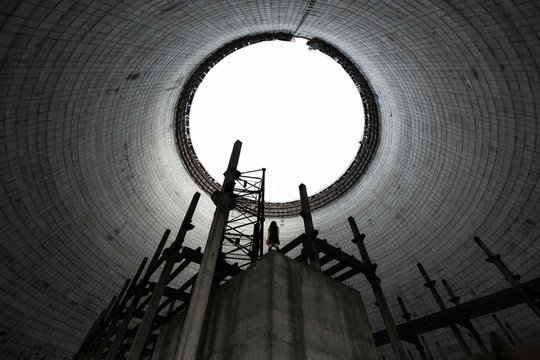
[{"x": 91, "y": 175}]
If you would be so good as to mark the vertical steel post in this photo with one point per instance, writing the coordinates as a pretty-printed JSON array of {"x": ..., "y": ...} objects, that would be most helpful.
[
  {"x": 171, "y": 256},
  {"x": 513, "y": 279},
  {"x": 475, "y": 334},
  {"x": 453, "y": 298},
  {"x": 426, "y": 347},
  {"x": 193, "y": 323},
  {"x": 258, "y": 227},
  {"x": 513, "y": 333},
  {"x": 261, "y": 231},
  {"x": 430, "y": 284},
  {"x": 440, "y": 350},
  {"x": 309, "y": 243},
  {"x": 375, "y": 282},
  {"x": 504, "y": 330},
  {"x": 407, "y": 316}
]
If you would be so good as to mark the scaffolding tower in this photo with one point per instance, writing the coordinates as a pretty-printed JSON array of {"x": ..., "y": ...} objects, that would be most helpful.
[{"x": 244, "y": 232}]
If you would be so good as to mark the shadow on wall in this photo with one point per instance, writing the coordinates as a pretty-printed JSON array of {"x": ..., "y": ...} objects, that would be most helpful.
[{"x": 502, "y": 351}]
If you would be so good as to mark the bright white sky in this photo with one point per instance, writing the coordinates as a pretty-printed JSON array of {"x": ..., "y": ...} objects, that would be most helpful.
[{"x": 297, "y": 113}]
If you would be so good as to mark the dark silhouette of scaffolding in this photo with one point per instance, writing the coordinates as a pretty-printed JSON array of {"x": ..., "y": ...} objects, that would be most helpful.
[{"x": 129, "y": 327}]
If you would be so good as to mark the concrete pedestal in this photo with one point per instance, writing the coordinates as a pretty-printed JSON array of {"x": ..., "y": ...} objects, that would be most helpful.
[{"x": 282, "y": 309}]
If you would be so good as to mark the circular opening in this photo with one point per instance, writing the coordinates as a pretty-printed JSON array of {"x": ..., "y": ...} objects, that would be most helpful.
[
  {"x": 276, "y": 133},
  {"x": 296, "y": 111}
]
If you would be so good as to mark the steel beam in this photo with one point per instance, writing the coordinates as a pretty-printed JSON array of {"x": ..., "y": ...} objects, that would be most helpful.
[
  {"x": 310, "y": 248},
  {"x": 430, "y": 284},
  {"x": 478, "y": 307},
  {"x": 512, "y": 278},
  {"x": 375, "y": 282},
  {"x": 467, "y": 323}
]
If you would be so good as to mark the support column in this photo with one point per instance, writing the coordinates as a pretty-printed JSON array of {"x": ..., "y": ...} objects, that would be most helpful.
[
  {"x": 171, "y": 257},
  {"x": 258, "y": 228},
  {"x": 475, "y": 334},
  {"x": 513, "y": 279},
  {"x": 375, "y": 282},
  {"x": 193, "y": 323},
  {"x": 496, "y": 318},
  {"x": 309, "y": 243},
  {"x": 426, "y": 347},
  {"x": 430, "y": 284},
  {"x": 407, "y": 316},
  {"x": 513, "y": 333},
  {"x": 440, "y": 350}
]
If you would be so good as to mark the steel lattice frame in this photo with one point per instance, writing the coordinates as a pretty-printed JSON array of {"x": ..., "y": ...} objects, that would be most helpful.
[{"x": 244, "y": 232}]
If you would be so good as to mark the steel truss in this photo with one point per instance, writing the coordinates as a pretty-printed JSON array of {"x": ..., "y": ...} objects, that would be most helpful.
[{"x": 244, "y": 232}]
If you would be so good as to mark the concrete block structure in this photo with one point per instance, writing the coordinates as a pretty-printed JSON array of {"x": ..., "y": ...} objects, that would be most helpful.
[
  {"x": 90, "y": 174},
  {"x": 281, "y": 309}
]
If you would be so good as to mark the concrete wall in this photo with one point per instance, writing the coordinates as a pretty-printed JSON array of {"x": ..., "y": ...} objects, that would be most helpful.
[
  {"x": 281, "y": 309},
  {"x": 91, "y": 175}
]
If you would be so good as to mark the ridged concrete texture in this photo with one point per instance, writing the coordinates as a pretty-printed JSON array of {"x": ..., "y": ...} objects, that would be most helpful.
[
  {"x": 91, "y": 175},
  {"x": 280, "y": 309}
]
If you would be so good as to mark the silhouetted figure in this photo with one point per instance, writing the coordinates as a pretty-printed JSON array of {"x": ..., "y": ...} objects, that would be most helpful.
[{"x": 273, "y": 236}]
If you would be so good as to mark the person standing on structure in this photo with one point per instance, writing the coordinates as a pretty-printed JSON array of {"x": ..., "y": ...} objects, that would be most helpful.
[{"x": 273, "y": 236}]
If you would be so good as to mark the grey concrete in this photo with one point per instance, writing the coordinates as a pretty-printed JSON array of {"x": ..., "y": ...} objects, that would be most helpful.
[
  {"x": 282, "y": 309},
  {"x": 90, "y": 175},
  {"x": 196, "y": 312}
]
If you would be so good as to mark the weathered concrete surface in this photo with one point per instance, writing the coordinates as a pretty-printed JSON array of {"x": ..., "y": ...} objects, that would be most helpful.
[{"x": 281, "y": 309}]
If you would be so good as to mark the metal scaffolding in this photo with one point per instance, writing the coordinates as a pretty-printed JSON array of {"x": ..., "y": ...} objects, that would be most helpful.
[
  {"x": 130, "y": 325},
  {"x": 244, "y": 232}
]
